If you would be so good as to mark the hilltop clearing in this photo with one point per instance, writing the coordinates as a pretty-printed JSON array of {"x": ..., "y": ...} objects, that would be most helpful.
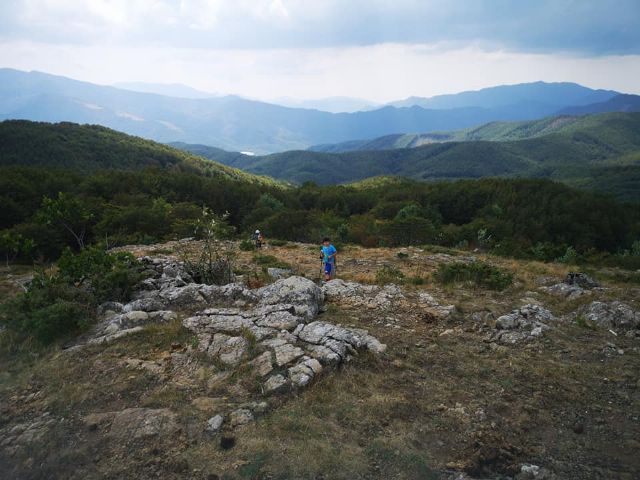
[{"x": 513, "y": 372}]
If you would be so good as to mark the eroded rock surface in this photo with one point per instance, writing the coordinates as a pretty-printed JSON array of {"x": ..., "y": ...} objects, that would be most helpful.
[
  {"x": 522, "y": 324},
  {"x": 615, "y": 315}
]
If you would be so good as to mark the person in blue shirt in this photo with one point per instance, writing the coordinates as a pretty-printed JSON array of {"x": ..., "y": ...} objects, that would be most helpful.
[{"x": 329, "y": 253}]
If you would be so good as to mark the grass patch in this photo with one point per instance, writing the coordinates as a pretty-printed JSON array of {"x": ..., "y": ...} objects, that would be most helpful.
[
  {"x": 247, "y": 246},
  {"x": 269, "y": 261},
  {"x": 389, "y": 274},
  {"x": 278, "y": 243},
  {"x": 478, "y": 274}
]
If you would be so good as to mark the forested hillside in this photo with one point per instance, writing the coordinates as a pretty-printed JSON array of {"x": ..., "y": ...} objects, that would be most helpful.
[
  {"x": 87, "y": 148},
  {"x": 581, "y": 152}
]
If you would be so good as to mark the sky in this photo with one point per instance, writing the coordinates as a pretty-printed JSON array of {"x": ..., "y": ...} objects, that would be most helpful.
[{"x": 373, "y": 49}]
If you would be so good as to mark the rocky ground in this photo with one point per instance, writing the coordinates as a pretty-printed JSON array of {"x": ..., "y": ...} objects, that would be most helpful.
[{"x": 291, "y": 378}]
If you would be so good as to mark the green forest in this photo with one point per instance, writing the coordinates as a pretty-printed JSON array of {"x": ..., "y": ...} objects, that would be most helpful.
[{"x": 80, "y": 185}]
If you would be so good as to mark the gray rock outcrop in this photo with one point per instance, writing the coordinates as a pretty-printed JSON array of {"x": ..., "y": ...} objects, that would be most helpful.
[{"x": 522, "y": 324}]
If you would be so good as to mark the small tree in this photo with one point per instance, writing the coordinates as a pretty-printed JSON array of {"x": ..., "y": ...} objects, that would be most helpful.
[
  {"x": 68, "y": 212},
  {"x": 213, "y": 262},
  {"x": 13, "y": 244}
]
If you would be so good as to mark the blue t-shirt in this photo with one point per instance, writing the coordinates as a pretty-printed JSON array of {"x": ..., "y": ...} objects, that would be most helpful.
[{"x": 327, "y": 252}]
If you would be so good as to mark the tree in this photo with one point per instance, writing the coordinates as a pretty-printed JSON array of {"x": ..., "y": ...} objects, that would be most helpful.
[{"x": 69, "y": 212}]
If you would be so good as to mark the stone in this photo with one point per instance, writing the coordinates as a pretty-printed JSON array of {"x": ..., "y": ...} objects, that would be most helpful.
[
  {"x": 228, "y": 349},
  {"x": 582, "y": 280},
  {"x": 522, "y": 324},
  {"x": 262, "y": 365},
  {"x": 275, "y": 383},
  {"x": 133, "y": 318},
  {"x": 615, "y": 315},
  {"x": 302, "y": 293},
  {"x": 279, "y": 273},
  {"x": 287, "y": 353},
  {"x": 241, "y": 416},
  {"x": 139, "y": 423},
  {"x": 214, "y": 424}
]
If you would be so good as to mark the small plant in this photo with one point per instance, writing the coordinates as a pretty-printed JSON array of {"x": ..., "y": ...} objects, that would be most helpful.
[
  {"x": 416, "y": 280},
  {"x": 213, "y": 264},
  {"x": 247, "y": 246},
  {"x": 389, "y": 274},
  {"x": 402, "y": 255},
  {"x": 479, "y": 274},
  {"x": 570, "y": 256}
]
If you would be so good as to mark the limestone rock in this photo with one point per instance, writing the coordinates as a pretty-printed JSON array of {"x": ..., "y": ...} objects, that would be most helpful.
[
  {"x": 286, "y": 353},
  {"x": 241, "y": 416},
  {"x": 275, "y": 383},
  {"x": 522, "y": 324},
  {"x": 616, "y": 315},
  {"x": 279, "y": 273},
  {"x": 214, "y": 424},
  {"x": 300, "y": 292}
]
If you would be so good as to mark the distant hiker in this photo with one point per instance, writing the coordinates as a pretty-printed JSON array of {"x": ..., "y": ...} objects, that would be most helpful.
[
  {"x": 258, "y": 238},
  {"x": 328, "y": 256}
]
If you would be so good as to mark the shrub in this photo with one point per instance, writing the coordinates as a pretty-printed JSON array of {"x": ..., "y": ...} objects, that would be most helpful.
[
  {"x": 480, "y": 274},
  {"x": 389, "y": 274},
  {"x": 56, "y": 306},
  {"x": 402, "y": 255},
  {"x": 247, "y": 246}
]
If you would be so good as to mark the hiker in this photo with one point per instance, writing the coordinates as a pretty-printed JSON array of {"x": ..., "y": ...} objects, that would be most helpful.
[
  {"x": 258, "y": 238},
  {"x": 328, "y": 256}
]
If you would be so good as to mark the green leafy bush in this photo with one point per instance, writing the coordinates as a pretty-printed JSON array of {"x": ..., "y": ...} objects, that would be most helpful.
[
  {"x": 247, "y": 246},
  {"x": 480, "y": 274},
  {"x": 389, "y": 274},
  {"x": 56, "y": 306}
]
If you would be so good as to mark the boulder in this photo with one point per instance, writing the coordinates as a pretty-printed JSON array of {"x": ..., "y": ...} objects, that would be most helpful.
[
  {"x": 581, "y": 280},
  {"x": 279, "y": 273},
  {"x": 214, "y": 424},
  {"x": 522, "y": 324},
  {"x": 616, "y": 315},
  {"x": 302, "y": 293}
]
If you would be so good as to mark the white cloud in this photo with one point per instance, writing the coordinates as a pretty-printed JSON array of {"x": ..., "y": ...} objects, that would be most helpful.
[{"x": 379, "y": 72}]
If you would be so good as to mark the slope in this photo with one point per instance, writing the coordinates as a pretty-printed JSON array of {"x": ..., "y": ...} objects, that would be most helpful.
[
  {"x": 87, "y": 148},
  {"x": 606, "y": 123},
  {"x": 579, "y": 153}
]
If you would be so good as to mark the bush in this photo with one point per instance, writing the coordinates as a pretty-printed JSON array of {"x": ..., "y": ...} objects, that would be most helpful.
[
  {"x": 480, "y": 274},
  {"x": 247, "y": 246},
  {"x": 389, "y": 274},
  {"x": 56, "y": 306}
]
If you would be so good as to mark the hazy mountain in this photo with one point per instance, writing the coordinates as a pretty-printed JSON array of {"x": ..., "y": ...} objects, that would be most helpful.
[
  {"x": 168, "y": 89},
  {"x": 331, "y": 104},
  {"x": 601, "y": 150},
  {"x": 619, "y": 103},
  {"x": 229, "y": 122},
  {"x": 493, "y": 131},
  {"x": 541, "y": 96}
]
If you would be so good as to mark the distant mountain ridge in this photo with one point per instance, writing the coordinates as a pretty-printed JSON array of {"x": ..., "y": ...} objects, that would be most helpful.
[
  {"x": 235, "y": 123},
  {"x": 599, "y": 151},
  {"x": 493, "y": 132}
]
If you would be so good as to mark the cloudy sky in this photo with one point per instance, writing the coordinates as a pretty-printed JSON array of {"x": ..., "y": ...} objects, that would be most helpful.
[{"x": 375, "y": 49}]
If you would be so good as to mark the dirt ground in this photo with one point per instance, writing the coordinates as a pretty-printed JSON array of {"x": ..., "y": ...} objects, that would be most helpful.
[{"x": 442, "y": 399}]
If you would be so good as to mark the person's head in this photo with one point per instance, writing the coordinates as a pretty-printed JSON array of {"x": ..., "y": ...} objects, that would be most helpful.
[
  {"x": 326, "y": 241},
  {"x": 257, "y": 231}
]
